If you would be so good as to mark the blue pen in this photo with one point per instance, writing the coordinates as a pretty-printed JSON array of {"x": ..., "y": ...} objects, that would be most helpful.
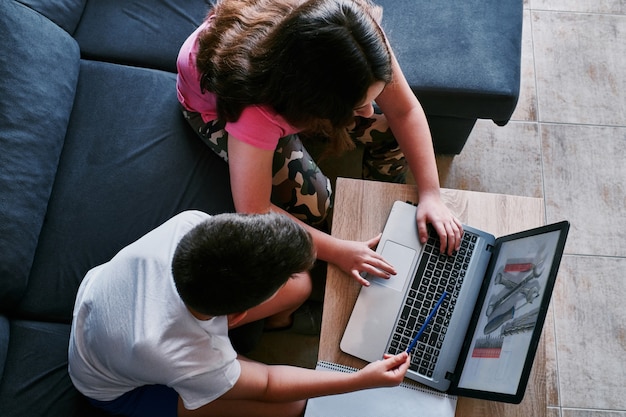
[{"x": 430, "y": 317}]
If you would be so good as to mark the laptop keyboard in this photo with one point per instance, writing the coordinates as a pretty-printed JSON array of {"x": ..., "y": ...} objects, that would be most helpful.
[{"x": 435, "y": 274}]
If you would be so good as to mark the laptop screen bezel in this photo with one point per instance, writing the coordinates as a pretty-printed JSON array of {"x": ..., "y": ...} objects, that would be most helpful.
[{"x": 516, "y": 398}]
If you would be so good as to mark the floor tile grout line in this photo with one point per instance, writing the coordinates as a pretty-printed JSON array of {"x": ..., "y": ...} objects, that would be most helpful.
[
  {"x": 556, "y": 360},
  {"x": 559, "y": 409},
  {"x": 543, "y": 191},
  {"x": 602, "y": 410},
  {"x": 578, "y": 12},
  {"x": 534, "y": 57},
  {"x": 593, "y": 255},
  {"x": 556, "y": 123},
  {"x": 570, "y": 124},
  {"x": 538, "y": 115}
]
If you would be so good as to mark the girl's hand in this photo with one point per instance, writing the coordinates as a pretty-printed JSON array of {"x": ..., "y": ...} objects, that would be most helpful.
[
  {"x": 448, "y": 227},
  {"x": 388, "y": 372},
  {"x": 356, "y": 257}
]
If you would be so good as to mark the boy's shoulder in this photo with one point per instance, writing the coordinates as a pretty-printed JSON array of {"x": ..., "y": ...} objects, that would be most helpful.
[
  {"x": 191, "y": 216},
  {"x": 183, "y": 220},
  {"x": 161, "y": 241}
]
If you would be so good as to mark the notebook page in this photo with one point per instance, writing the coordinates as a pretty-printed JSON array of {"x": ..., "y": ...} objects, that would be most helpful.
[{"x": 407, "y": 399}]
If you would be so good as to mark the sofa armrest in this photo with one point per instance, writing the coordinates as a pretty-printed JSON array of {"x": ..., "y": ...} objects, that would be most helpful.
[{"x": 39, "y": 64}]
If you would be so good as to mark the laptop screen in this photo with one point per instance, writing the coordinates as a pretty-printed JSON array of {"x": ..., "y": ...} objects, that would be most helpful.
[{"x": 507, "y": 325}]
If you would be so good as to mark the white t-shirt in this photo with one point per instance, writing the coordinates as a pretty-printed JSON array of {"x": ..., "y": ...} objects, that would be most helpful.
[{"x": 131, "y": 328}]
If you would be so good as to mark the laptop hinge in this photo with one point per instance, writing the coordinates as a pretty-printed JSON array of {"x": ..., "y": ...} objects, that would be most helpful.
[
  {"x": 490, "y": 248},
  {"x": 450, "y": 376}
]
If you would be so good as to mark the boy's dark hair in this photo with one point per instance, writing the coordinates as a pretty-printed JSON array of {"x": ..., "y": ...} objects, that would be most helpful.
[
  {"x": 233, "y": 262},
  {"x": 312, "y": 61}
]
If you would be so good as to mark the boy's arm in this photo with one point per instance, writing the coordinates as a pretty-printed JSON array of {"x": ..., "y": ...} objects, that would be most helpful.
[{"x": 260, "y": 382}]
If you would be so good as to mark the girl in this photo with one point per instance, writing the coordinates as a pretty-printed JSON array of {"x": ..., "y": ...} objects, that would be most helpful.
[{"x": 258, "y": 75}]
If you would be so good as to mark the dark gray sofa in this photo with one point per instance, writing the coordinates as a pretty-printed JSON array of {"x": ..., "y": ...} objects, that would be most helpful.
[{"x": 94, "y": 153}]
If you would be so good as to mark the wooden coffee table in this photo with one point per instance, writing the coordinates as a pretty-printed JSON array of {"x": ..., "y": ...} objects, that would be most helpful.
[{"x": 361, "y": 209}]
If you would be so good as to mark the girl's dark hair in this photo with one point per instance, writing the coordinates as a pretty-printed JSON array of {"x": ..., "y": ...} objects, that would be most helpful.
[
  {"x": 311, "y": 61},
  {"x": 233, "y": 262}
]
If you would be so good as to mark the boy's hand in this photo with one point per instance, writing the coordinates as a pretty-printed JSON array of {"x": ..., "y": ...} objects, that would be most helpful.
[{"x": 388, "y": 372}]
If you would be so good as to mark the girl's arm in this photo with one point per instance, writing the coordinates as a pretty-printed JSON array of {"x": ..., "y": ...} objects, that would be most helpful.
[
  {"x": 251, "y": 185},
  {"x": 409, "y": 125},
  {"x": 265, "y": 383}
]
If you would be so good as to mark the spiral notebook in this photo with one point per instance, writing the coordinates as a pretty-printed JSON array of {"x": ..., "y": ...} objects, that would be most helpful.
[{"x": 407, "y": 399}]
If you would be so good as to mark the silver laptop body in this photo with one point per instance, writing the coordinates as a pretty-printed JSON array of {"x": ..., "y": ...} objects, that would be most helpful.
[
  {"x": 495, "y": 294},
  {"x": 376, "y": 311}
]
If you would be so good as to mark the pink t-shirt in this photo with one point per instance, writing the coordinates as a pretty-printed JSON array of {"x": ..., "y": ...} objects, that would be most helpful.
[{"x": 259, "y": 126}]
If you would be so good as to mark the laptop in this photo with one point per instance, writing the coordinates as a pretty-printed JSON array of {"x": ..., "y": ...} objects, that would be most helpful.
[{"x": 482, "y": 339}]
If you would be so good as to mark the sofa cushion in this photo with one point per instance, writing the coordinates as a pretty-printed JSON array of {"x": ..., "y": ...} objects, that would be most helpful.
[
  {"x": 35, "y": 380},
  {"x": 65, "y": 13},
  {"x": 4, "y": 342},
  {"x": 39, "y": 65},
  {"x": 461, "y": 58},
  {"x": 130, "y": 162},
  {"x": 145, "y": 33}
]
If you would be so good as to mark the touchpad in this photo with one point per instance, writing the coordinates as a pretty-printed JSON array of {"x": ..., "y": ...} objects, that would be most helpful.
[{"x": 401, "y": 258}]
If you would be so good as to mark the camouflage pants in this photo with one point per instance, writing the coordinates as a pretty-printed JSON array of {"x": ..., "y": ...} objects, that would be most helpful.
[{"x": 298, "y": 185}]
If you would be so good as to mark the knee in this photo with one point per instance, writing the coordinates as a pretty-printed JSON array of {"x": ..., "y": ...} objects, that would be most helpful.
[
  {"x": 307, "y": 196},
  {"x": 315, "y": 202},
  {"x": 298, "y": 185},
  {"x": 299, "y": 287}
]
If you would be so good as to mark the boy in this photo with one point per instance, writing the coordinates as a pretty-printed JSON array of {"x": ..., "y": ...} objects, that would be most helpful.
[{"x": 150, "y": 329}]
